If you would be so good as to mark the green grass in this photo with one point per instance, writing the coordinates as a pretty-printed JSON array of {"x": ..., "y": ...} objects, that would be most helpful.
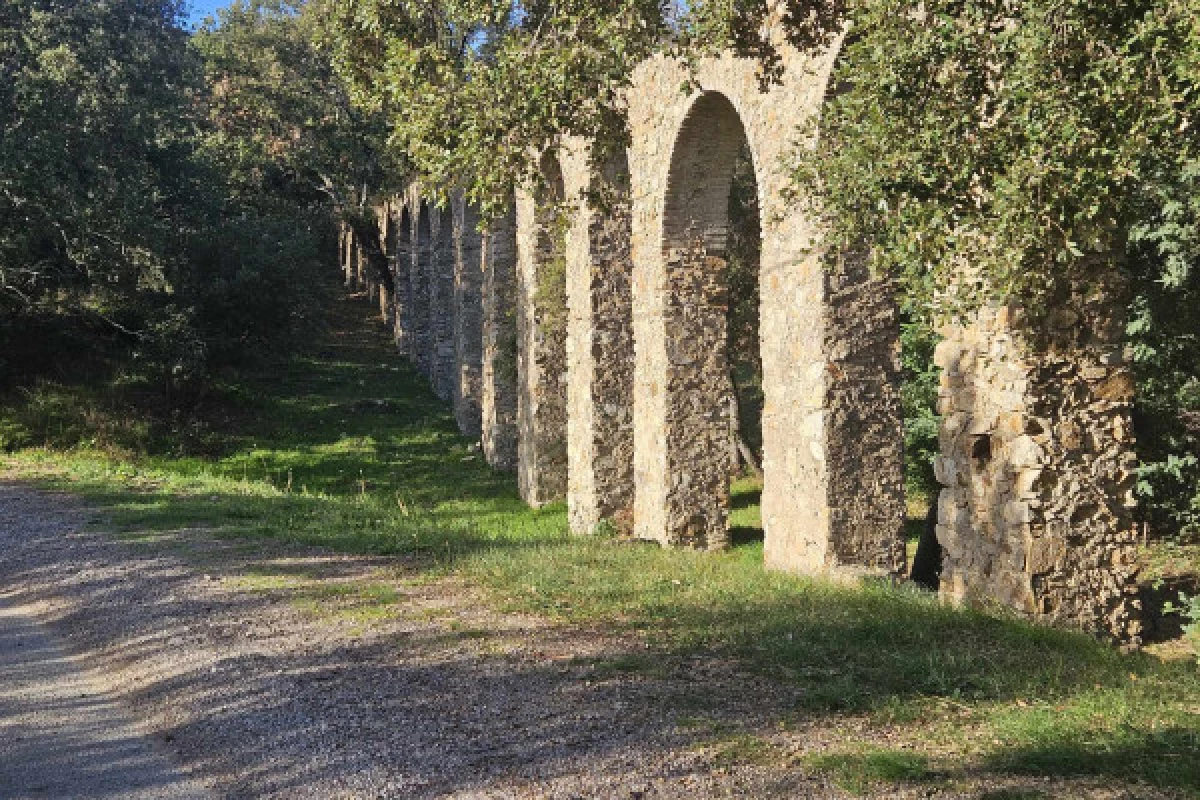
[
  {"x": 344, "y": 447},
  {"x": 857, "y": 771}
]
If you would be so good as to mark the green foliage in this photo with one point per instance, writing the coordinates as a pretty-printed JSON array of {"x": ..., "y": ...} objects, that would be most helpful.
[
  {"x": 476, "y": 88},
  {"x": 282, "y": 127},
  {"x": 166, "y": 201},
  {"x": 1014, "y": 138},
  {"x": 918, "y": 399},
  {"x": 96, "y": 116}
]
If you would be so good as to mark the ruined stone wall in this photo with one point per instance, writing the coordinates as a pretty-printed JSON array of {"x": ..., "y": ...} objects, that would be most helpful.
[
  {"x": 599, "y": 341},
  {"x": 1037, "y": 465},
  {"x": 498, "y": 393},
  {"x": 541, "y": 341},
  {"x": 468, "y": 318}
]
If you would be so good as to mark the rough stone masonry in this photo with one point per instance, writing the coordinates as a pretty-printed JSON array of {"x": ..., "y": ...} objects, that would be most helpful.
[{"x": 582, "y": 340}]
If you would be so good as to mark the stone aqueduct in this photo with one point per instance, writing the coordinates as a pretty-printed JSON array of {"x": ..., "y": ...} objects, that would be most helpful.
[{"x": 623, "y": 407}]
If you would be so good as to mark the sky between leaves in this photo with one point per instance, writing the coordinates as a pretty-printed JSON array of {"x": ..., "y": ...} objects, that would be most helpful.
[{"x": 199, "y": 9}]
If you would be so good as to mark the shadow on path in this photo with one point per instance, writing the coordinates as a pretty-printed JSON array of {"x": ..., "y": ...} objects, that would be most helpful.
[{"x": 61, "y": 735}]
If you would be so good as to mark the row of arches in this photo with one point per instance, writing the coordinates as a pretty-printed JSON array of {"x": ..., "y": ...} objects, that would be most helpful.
[{"x": 643, "y": 321}]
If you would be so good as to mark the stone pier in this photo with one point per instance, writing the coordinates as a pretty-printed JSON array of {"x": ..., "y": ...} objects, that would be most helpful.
[
  {"x": 419, "y": 289},
  {"x": 832, "y": 498},
  {"x": 441, "y": 305},
  {"x": 541, "y": 338},
  {"x": 468, "y": 318},
  {"x": 599, "y": 342},
  {"x": 1037, "y": 464},
  {"x": 498, "y": 393}
]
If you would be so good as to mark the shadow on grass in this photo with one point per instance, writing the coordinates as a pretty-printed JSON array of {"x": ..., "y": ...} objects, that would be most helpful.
[
  {"x": 741, "y": 535},
  {"x": 1168, "y": 756}
]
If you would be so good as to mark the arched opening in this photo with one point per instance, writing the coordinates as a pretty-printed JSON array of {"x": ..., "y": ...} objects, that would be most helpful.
[
  {"x": 542, "y": 329},
  {"x": 742, "y": 264},
  {"x": 711, "y": 247}
]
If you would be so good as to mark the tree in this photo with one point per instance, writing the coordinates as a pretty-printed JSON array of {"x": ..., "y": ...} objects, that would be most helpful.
[
  {"x": 474, "y": 89},
  {"x": 281, "y": 121},
  {"x": 95, "y": 117},
  {"x": 1024, "y": 138}
]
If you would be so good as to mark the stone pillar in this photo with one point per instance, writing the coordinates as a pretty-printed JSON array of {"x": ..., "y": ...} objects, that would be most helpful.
[
  {"x": 864, "y": 445},
  {"x": 387, "y": 302},
  {"x": 468, "y": 317},
  {"x": 386, "y": 308},
  {"x": 541, "y": 340},
  {"x": 1037, "y": 463},
  {"x": 360, "y": 267},
  {"x": 441, "y": 308},
  {"x": 399, "y": 255},
  {"x": 599, "y": 344},
  {"x": 350, "y": 260},
  {"x": 345, "y": 251},
  {"x": 498, "y": 395},
  {"x": 422, "y": 350}
]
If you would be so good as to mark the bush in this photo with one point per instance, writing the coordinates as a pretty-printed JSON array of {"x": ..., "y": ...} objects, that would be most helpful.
[{"x": 258, "y": 281}]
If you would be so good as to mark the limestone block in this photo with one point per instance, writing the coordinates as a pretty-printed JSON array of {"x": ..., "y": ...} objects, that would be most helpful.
[{"x": 1023, "y": 452}]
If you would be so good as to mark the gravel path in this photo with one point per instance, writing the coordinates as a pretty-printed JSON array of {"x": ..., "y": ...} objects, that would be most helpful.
[
  {"x": 275, "y": 673},
  {"x": 62, "y": 734}
]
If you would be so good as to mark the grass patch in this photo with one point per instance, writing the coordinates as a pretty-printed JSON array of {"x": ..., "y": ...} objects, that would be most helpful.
[
  {"x": 745, "y": 749},
  {"x": 345, "y": 447},
  {"x": 632, "y": 664},
  {"x": 857, "y": 771}
]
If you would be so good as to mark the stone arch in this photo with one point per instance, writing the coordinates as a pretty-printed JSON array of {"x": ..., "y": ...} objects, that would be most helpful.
[
  {"x": 696, "y": 213},
  {"x": 827, "y": 336},
  {"x": 697, "y": 388},
  {"x": 541, "y": 336},
  {"x": 599, "y": 339}
]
